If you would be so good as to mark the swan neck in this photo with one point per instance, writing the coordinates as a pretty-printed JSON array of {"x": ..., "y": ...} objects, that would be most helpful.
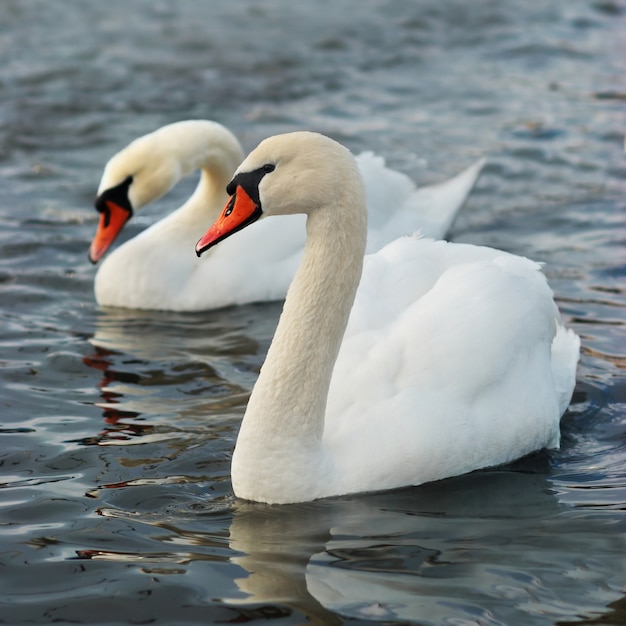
[
  {"x": 217, "y": 158},
  {"x": 288, "y": 402}
]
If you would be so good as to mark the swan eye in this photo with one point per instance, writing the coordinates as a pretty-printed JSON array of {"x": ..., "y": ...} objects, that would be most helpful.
[
  {"x": 230, "y": 207},
  {"x": 249, "y": 181}
]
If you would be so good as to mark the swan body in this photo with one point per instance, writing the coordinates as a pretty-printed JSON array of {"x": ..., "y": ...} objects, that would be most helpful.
[
  {"x": 448, "y": 357},
  {"x": 157, "y": 269}
]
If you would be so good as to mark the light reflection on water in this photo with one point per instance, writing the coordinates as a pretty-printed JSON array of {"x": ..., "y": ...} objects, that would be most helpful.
[{"x": 117, "y": 427}]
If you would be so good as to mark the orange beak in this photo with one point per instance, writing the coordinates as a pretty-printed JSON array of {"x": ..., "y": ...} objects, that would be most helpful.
[
  {"x": 112, "y": 220},
  {"x": 240, "y": 212}
]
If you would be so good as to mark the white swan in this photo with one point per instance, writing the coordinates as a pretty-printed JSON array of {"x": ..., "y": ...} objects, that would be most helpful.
[
  {"x": 157, "y": 269},
  {"x": 454, "y": 356}
]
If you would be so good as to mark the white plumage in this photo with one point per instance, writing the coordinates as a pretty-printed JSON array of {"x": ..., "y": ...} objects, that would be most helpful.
[{"x": 454, "y": 357}]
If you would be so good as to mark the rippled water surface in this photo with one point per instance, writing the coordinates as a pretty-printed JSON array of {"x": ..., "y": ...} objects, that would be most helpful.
[{"x": 116, "y": 427}]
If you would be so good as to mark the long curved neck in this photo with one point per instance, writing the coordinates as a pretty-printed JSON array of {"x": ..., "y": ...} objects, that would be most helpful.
[
  {"x": 288, "y": 402},
  {"x": 216, "y": 154}
]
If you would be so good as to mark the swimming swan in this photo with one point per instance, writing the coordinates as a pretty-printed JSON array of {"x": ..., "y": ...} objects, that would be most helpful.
[
  {"x": 451, "y": 358},
  {"x": 157, "y": 269}
]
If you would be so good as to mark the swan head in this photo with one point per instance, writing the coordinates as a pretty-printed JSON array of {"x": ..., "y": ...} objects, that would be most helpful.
[
  {"x": 286, "y": 174},
  {"x": 151, "y": 165},
  {"x": 140, "y": 173}
]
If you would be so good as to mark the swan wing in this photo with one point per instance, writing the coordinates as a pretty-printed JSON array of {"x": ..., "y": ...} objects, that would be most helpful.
[
  {"x": 447, "y": 361},
  {"x": 397, "y": 207}
]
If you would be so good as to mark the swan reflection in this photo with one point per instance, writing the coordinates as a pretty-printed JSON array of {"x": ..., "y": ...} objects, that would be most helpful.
[{"x": 414, "y": 554}]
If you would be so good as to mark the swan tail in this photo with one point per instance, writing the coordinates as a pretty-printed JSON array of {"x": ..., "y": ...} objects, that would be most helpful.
[
  {"x": 440, "y": 204},
  {"x": 565, "y": 355}
]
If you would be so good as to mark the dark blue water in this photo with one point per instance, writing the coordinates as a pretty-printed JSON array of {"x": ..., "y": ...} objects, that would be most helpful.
[{"x": 116, "y": 427}]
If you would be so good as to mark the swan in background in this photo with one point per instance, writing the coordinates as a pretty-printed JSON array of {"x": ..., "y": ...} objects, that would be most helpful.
[
  {"x": 454, "y": 357},
  {"x": 157, "y": 269}
]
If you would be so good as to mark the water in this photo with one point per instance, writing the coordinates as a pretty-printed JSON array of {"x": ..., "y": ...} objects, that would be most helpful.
[{"x": 116, "y": 427}]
